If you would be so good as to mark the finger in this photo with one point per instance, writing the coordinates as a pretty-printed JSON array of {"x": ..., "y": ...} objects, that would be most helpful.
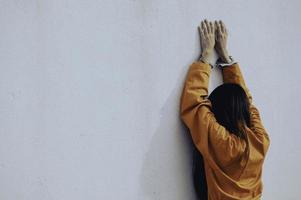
[
  {"x": 204, "y": 28},
  {"x": 219, "y": 31},
  {"x": 211, "y": 27},
  {"x": 201, "y": 31},
  {"x": 201, "y": 28},
  {"x": 216, "y": 26},
  {"x": 207, "y": 26},
  {"x": 222, "y": 26},
  {"x": 226, "y": 30}
]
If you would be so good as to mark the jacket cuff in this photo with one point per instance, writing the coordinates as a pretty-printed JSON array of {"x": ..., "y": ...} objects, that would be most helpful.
[
  {"x": 221, "y": 64},
  {"x": 211, "y": 65}
]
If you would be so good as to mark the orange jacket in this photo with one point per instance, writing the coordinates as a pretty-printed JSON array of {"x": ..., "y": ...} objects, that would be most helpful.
[{"x": 228, "y": 178}]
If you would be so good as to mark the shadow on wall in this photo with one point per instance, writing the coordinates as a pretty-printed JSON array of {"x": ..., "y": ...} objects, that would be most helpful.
[{"x": 167, "y": 168}]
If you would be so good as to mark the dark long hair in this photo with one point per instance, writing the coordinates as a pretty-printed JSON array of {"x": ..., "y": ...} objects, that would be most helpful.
[{"x": 230, "y": 106}]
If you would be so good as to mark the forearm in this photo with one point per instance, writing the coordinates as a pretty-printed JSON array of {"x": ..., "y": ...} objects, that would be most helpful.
[{"x": 233, "y": 74}]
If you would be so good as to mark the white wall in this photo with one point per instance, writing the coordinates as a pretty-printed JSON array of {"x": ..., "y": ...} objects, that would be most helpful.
[{"x": 89, "y": 94}]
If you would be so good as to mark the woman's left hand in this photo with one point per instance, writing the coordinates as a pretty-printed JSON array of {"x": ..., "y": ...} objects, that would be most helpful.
[{"x": 207, "y": 32}]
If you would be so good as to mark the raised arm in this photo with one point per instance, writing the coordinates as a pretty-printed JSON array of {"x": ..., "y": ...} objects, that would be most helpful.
[
  {"x": 195, "y": 111},
  {"x": 194, "y": 104},
  {"x": 232, "y": 74}
]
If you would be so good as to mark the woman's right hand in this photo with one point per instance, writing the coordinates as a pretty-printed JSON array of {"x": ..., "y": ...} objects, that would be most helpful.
[{"x": 221, "y": 41}]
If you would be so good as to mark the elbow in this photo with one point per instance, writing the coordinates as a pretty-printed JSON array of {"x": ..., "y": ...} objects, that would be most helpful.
[{"x": 266, "y": 144}]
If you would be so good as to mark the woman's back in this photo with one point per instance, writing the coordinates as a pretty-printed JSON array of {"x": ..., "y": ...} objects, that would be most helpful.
[
  {"x": 231, "y": 173},
  {"x": 239, "y": 179}
]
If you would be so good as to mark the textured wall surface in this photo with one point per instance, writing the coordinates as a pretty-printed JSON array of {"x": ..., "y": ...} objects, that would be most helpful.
[{"x": 89, "y": 94}]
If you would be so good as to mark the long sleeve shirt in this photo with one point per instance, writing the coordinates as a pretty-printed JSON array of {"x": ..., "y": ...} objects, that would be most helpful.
[{"x": 230, "y": 174}]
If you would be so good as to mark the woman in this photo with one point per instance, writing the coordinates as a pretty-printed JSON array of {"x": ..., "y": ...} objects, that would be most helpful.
[{"x": 226, "y": 127}]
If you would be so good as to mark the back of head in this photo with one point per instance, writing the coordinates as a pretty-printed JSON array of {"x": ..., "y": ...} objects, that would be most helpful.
[{"x": 230, "y": 106}]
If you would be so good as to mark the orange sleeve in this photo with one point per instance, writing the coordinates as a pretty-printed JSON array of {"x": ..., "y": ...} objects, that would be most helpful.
[
  {"x": 195, "y": 111},
  {"x": 232, "y": 74}
]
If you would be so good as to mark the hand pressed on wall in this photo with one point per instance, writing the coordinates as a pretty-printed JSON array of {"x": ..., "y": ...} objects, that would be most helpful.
[
  {"x": 207, "y": 35},
  {"x": 221, "y": 34}
]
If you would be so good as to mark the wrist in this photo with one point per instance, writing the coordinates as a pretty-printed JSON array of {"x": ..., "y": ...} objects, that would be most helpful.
[
  {"x": 225, "y": 56},
  {"x": 207, "y": 53},
  {"x": 226, "y": 59},
  {"x": 206, "y": 56}
]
